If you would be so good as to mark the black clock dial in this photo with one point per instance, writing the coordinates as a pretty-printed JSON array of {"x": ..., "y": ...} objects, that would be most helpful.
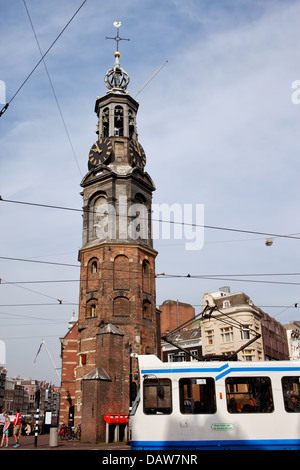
[
  {"x": 100, "y": 152},
  {"x": 137, "y": 154}
]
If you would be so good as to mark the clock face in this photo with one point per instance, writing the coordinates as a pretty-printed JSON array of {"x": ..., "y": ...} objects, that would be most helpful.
[
  {"x": 137, "y": 154},
  {"x": 100, "y": 152}
]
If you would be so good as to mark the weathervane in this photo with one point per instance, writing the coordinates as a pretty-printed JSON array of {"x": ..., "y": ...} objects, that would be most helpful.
[
  {"x": 117, "y": 79},
  {"x": 117, "y": 38}
]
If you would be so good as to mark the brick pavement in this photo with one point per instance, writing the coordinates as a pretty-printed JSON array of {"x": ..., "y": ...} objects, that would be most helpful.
[{"x": 28, "y": 443}]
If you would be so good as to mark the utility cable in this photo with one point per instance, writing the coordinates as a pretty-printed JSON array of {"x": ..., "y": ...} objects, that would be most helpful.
[
  {"x": 52, "y": 87},
  {"x": 42, "y": 58},
  {"x": 162, "y": 221},
  {"x": 36, "y": 292}
]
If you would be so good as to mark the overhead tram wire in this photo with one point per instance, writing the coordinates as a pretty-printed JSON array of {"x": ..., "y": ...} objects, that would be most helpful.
[
  {"x": 8, "y": 258},
  {"x": 52, "y": 87},
  {"x": 222, "y": 278},
  {"x": 4, "y": 109},
  {"x": 60, "y": 301},
  {"x": 219, "y": 277},
  {"x": 39, "y": 281},
  {"x": 254, "y": 232}
]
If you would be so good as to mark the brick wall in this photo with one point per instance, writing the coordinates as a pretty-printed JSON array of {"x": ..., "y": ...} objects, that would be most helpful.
[
  {"x": 69, "y": 362},
  {"x": 117, "y": 288}
]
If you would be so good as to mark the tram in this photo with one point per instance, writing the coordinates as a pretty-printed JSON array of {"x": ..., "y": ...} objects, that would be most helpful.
[{"x": 216, "y": 405}]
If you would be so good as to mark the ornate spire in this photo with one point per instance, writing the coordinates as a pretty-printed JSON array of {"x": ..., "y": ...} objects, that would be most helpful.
[{"x": 116, "y": 79}]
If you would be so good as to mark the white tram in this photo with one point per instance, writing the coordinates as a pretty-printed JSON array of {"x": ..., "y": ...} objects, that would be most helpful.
[{"x": 216, "y": 405}]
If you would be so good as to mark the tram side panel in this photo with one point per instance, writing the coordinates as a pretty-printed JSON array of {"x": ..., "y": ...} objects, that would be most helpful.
[{"x": 191, "y": 409}]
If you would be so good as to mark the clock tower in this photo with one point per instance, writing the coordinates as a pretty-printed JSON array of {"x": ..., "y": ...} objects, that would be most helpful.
[{"x": 117, "y": 318}]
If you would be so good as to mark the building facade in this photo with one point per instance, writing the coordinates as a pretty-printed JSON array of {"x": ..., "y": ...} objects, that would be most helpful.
[
  {"x": 3, "y": 372},
  {"x": 68, "y": 377},
  {"x": 173, "y": 314},
  {"x": 293, "y": 337},
  {"x": 184, "y": 345},
  {"x": 117, "y": 318},
  {"x": 237, "y": 326}
]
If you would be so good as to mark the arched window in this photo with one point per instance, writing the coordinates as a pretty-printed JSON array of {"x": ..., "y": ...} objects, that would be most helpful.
[
  {"x": 121, "y": 272},
  {"x": 91, "y": 308},
  {"x": 101, "y": 219},
  {"x": 147, "y": 309},
  {"x": 92, "y": 266}
]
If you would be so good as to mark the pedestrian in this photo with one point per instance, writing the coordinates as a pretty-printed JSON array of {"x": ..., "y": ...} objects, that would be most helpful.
[
  {"x": 5, "y": 431},
  {"x": 17, "y": 428},
  {"x": 28, "y": 429},
  {"x": 2, "y": 422}
]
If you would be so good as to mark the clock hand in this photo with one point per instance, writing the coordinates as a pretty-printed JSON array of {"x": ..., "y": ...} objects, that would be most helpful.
[
  {"x": 97, "y": 148},
  {"x": 137, "y": 148}
]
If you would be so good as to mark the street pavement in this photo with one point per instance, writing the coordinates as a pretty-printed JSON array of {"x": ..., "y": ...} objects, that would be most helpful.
[{"x": 43, "y": 443}]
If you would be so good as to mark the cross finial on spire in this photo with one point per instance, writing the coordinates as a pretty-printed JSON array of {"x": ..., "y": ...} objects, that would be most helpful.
[{"x": 117, "y": 38}]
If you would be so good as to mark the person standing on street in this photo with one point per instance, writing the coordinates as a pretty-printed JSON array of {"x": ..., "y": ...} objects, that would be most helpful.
[
  {"x": 2, "y": 422},
  {"x": 5, "y": 432},
  {"x": 17, "y": 428}
]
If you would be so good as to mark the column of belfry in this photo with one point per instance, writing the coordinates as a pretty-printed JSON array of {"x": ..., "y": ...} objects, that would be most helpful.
[{"x": 117, "y": 317}]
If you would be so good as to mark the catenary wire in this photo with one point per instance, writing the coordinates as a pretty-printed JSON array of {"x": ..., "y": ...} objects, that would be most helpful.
[
  {"x": 52, "y": 87},
  {"x": 254, "y": 232},
  {"x": 2, "y": 111}
]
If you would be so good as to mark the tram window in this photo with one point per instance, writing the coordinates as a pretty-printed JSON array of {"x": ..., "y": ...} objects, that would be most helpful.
[
  {"x": 197, "y": 395},
  {"x": 135, "y": 404},
  {"x": 157, "y": 396},
  {"x": 291, "y": 394},
  {"x": 249, "y": 395}
]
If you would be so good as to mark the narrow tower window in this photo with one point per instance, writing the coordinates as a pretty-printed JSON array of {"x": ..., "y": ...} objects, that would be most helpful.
[
  {"x": 94, "y": 267},
  {"x": 146, "y": 277},
  {"x": 119, "y": 121},
  {"x": 105, "y": 122},
  {"x": 131, "y": 124}
]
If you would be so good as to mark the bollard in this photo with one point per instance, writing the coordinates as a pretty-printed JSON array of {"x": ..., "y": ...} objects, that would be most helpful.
[{"x": 53, "y": 442}]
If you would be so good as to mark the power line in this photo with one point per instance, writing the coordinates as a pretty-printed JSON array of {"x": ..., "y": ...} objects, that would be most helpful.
[
  {"x": 254, "y": 232},
  {"x": 42, "y": 58},
  {"x": 221, "y": 277},
  {"x": 52, "y": 87},
  {"x": 60, "y": 301},
  {"x": 218, "y": 278},
  {"x": 16, "y": 315},
  {"x": 38, "y": 261},
  {"x": 39, "y": 282},
  {"x": 38, "y": 305}
]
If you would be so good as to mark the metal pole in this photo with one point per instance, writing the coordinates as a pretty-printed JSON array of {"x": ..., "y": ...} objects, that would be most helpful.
[
  {"x": 52, "y": 361},
  {"x": 151, "y": 78},
  {"x": 37, "y": 399},
  {"x": 36, "y": 432},
  {"x": 130, "y": 375}
]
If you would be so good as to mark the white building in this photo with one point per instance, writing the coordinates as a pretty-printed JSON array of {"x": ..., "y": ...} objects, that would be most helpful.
[{"x": 293, "y": 335}]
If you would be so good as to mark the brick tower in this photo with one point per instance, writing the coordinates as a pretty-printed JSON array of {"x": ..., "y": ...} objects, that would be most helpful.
[{"x": 117, "y": 317}]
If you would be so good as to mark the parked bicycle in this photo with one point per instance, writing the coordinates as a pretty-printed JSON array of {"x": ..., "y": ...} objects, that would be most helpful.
[
  {"x": 64, "y": 432},
  {"x": 70, "y": 432}
]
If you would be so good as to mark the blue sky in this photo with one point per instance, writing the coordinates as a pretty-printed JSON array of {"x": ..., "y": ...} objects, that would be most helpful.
[{"x": 218, "y": 126}]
